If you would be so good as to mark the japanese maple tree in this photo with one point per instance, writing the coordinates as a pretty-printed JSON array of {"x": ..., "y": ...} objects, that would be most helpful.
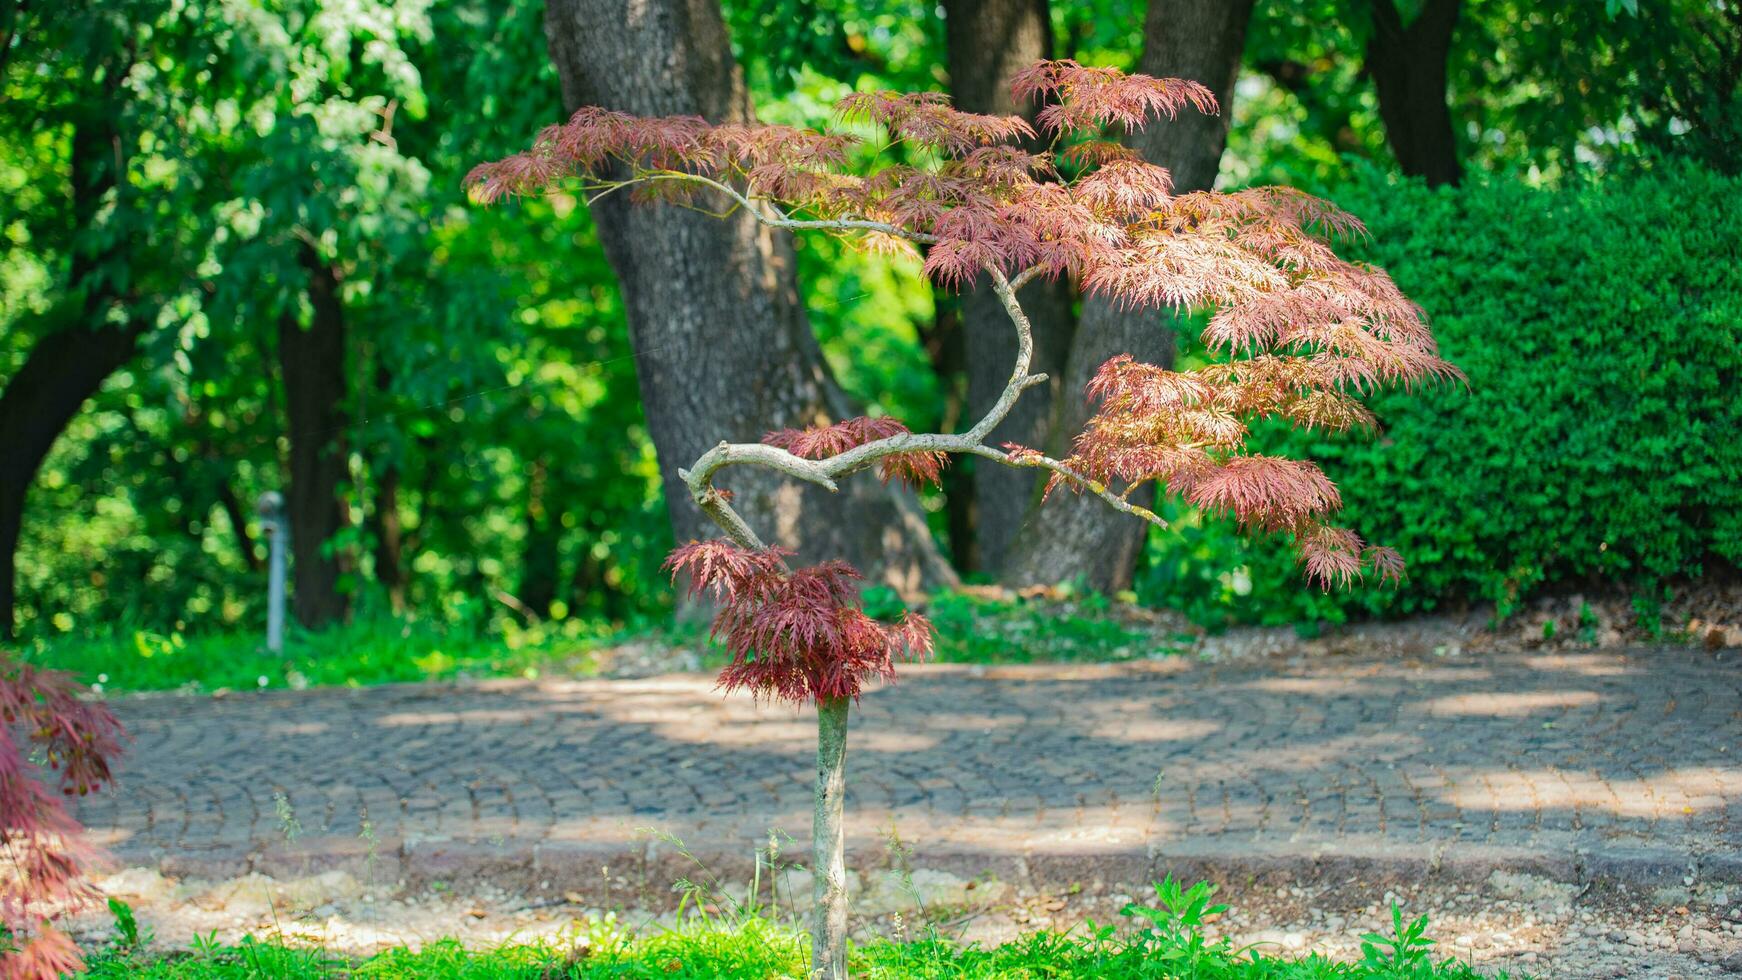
[
  {"x": 1301, "y": 334},
  {"x": 66, "y": 741}
]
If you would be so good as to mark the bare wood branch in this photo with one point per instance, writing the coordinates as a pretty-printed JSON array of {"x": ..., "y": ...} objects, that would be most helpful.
[
  {"x": 779, "y": 219},
  {"x": 824, "y": 472}
]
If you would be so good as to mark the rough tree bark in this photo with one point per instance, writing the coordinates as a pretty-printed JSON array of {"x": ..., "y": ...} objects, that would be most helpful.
[
  {"x": 1408, "y": 65},
  {"x": 68, "y": 365},
  {"x": 1077, "y": 537},
  {"x": 989, "y": 40},
  {"x": 312, "y": 362},
  {"x": 722, "y": 341}
]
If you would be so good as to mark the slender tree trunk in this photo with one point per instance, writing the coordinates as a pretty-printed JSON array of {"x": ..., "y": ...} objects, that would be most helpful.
[
  {"x": 312, "y": 361},
  {"x": 386, "y": 527},
  {"x": 1408, "y": 65},
  {"x": 540, "y": 557},
  {"x": 988, "y": 41},
  {"x": 947, "y": 352},
  {"x": 389, "y": 534},
  {"x": 1078, "y": 537},
  {"x": 829, "y": 844},
  {"x": 238, "y": 517},
  {"x": 724, "y": 349}
]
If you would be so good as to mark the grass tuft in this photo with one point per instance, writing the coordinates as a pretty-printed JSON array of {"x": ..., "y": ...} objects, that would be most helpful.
[{"x": 1163, "y": 940}]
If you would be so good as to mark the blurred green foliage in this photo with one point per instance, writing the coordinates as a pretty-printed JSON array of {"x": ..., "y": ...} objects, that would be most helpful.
[
  {"x": 492, "y": 382},
  {"x": 1600, "y": 325},
  {"x": 485, "y": 345}
]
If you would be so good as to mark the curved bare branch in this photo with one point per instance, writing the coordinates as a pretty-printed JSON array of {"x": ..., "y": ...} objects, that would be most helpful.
[{"x": 823, "y": 472}]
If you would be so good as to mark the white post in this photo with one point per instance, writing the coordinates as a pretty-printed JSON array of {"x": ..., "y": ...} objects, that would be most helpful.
[{"x": 271, "y": 510}]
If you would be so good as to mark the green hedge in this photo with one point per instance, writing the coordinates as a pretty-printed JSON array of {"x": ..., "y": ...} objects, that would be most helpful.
[{"x": 1600, "y": 437}]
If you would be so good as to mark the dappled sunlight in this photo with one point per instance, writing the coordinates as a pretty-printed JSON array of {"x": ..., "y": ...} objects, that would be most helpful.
[
  {"x": 1668, "y": 795},
  {"x": 469, "y": 716},
  {"x": 1586, "y": 664},
  {"x": 1303, "y": 685},
  {"x": 1508, "y": 704},
  {"x": 289, "y": 729},
  {"x": 1343, "y": 755},
  {"x": 1155, "y": 729}
]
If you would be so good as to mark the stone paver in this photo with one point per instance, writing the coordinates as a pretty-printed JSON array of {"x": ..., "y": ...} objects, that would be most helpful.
[{"x": 1579, "y": 766}]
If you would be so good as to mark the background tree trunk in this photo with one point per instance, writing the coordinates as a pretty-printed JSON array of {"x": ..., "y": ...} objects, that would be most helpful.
[
  {"x": 723, "y": 347},
  {"x": 1408, "y": 65},
  {"x": 311, "y": 360},
  {"x": 946, "y": 351},
  {"x": 1080, "y": 537},
  {"x": 389, "y": 535},
  {"x": 69, "y": 364},
  {"x": 541, "y": 556},
  {"x": 63, "y": 370},
  {"x": 989, "y": 40}
]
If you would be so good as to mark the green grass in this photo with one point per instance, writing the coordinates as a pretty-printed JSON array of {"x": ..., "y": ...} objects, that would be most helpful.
[
  {"x": 368, "y": 651},
  {"x": 1164, "y": 942},
  {"x": 977, "y": 630},
  {"x": 383, "y": 649}
]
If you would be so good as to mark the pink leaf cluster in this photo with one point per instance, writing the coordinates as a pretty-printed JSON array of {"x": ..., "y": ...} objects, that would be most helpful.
[
  {"x": 797, "y": 636},
  {"x": 1299, "y": 332},
  {"x": 1081, "y": 98},
  {"x": 919, "y": 468},
  {"x": 75, "y": 740}
]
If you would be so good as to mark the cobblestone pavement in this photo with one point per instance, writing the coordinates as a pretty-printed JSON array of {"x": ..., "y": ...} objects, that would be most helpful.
[{"x": 1587, "y": 765}]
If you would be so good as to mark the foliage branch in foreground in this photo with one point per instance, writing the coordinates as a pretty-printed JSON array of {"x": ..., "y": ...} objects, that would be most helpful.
[
  {"x": 1302, "y": 334},
  {"x": 41, "y": 845}
]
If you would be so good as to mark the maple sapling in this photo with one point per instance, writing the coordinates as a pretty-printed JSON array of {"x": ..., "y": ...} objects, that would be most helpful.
[{"x": 1301, "y": 334}]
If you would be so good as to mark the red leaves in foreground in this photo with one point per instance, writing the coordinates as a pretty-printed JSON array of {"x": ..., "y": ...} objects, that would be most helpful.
[
  {"x": 799, "y": 635},
  {"x": 919, "y": 468},
  {"x": 43, "y": 843}
]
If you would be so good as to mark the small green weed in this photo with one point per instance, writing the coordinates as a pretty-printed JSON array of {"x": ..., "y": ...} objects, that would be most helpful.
[{"x": 130, "y": 937}]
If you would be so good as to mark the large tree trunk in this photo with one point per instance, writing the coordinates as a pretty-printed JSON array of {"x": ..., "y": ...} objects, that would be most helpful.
[
  {"x": 989, "y": 40},
  {"x": 312, "y": 362},
  {"x": 63, "y": 370},
  {"x": 1074, "y": 537},
  {"x": 1408, "y": 65},
  {"x": 724, "y": 349},
  {"x": 67, "y": 366}
]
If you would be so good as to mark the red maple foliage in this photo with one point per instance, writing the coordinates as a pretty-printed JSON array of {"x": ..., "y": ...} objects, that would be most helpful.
[
  {"x": 919, "y": 468},
  {"x": 795, "y": 635},
  {"x": 45, "y": 846},
  {"x": 1300, "y": 332}
]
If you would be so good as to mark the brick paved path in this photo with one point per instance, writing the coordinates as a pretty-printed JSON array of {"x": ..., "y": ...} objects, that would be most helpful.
[{"x": 1577, "y": 765}]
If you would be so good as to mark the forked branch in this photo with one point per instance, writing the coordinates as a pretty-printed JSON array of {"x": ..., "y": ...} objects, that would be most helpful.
[{"x": 824, "y": 472}]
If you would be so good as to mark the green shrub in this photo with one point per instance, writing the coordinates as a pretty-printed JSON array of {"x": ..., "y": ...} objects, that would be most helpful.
[{"x": 1600, "y": 437}]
